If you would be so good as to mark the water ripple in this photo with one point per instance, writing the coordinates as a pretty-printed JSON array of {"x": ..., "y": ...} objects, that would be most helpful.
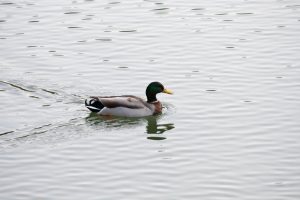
[{"x": 230, "y": 131}]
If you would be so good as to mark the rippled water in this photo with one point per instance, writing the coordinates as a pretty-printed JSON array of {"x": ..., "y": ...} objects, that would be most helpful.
[{"x": 230, "y": 131}]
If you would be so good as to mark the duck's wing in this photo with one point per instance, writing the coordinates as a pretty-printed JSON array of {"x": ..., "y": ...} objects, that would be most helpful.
[{"x": 127, "y": 101}]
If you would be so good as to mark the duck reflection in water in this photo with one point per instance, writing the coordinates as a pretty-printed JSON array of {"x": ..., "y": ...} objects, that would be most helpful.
[{"x": 154, "y": 130}]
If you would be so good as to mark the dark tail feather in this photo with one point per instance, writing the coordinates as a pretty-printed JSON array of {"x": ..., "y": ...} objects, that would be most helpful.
[{"x": 93, "y": 104}]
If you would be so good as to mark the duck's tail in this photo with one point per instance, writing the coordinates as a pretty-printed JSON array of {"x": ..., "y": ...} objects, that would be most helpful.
[{"x": 93, "y": 104}]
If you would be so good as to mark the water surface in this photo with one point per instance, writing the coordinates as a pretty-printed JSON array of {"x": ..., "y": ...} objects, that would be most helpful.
[{"x": 230, "y": 131}]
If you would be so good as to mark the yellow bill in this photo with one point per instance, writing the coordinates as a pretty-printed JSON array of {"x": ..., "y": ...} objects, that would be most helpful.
[{"x": 167, "y": 91}]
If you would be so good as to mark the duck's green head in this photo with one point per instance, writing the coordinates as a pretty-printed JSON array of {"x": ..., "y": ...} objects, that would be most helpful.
[{"x": 155, "y": 88}]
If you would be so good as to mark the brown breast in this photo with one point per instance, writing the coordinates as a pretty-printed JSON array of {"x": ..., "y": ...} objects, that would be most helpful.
[{"x": 158, "y": 107}]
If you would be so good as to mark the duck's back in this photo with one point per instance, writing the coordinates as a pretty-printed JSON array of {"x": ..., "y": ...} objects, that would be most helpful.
[
  {"x": 128, "y": 101},
  {"x": 126, "y": 105}
]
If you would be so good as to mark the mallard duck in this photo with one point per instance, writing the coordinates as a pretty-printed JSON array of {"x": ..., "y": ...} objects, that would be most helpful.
[{"x": 128, "y": 105}]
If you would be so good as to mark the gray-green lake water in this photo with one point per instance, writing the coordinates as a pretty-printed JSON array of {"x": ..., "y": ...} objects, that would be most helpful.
[{"x": 230, "y": 131}]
